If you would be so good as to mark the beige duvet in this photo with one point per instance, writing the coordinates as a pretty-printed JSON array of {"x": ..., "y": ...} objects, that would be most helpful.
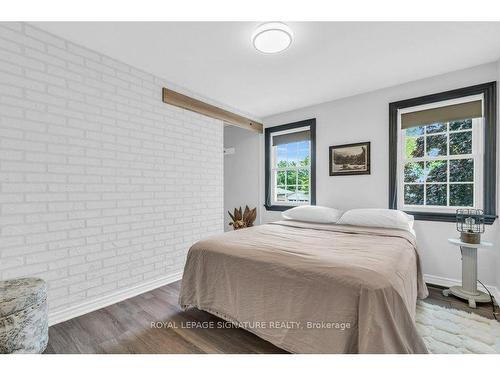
[{"x": 312, "y": 288}]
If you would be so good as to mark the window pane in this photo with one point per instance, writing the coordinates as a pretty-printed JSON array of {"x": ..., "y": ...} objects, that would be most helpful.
[
  {"x": 414, "y": 172},
  {"x": 436, "y": 195},
  {"x": 436, "y": 145},
  {"x": 280, "y": 178},
  {"x": 435, "y": 128},
  {"x": 305, "y": 162},
  {"x": 280, "y": 194},
  {"x": 414, "y": 147},
  {"x": 292, "y": 153},
  {"x": 291, "y": 178},
  {"x": 291, "y": 193},
  {"x": 303, "y": 177},
  {"x": 304, "y": 145},
  {"x": 304, "y": 158},
  {"x": 280, "y": 153},
  {"x": 416, "y": 131},
  {"x": 462, "y": 170},
  {"x": 282, "y": 164},
  {"x": 304, "y": 189},
  {"x": 460, "y": 143},
  {"x": 461, "y": 125},
  {"x": 303, "y": 193},
  {"x": 303, "y": 154},
  {"x": 461, "y": 195},
  {"x": 436, "y": 171},
  {"x": 414, "y": 194}
]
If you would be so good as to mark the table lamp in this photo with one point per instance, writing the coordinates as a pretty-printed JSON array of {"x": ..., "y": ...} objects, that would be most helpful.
[{"x": 470, "y": 224}]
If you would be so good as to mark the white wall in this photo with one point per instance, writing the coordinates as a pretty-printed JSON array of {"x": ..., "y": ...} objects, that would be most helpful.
[
  {"x": 241, "y": 171},
  {"x": 365, "y": 118},
  {"x": 103, "y": 187}
]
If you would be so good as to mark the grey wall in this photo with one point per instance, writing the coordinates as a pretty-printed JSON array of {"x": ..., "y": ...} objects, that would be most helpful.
[
  {"x": 241, "y": 171},
  {"x": 365, "y": 118}
]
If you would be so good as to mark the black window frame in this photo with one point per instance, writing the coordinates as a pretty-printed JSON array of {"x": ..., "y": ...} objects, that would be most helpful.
[
  {"x": 312, "y": 183},
  {"x": 489, "y": 91}
]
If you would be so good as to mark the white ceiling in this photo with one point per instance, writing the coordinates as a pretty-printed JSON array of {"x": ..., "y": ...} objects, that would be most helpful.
[{"x": 327, "y": 60}]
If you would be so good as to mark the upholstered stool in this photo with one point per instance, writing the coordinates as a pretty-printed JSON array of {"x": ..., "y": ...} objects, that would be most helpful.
[{"x": 23, "y": 316}]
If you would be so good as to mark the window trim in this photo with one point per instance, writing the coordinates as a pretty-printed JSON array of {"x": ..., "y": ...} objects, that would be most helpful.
[
  {"x": 311, "y": 123},
  {"x": 488, "y": 91},
  {"x": 275, "y": 169}
]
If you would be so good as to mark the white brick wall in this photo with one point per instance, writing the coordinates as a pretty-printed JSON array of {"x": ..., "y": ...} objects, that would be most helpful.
[{"x": 102, "y": 186}]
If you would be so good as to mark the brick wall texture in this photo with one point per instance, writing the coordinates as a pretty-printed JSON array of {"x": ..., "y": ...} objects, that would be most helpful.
[{"x": 102, "y": 186}]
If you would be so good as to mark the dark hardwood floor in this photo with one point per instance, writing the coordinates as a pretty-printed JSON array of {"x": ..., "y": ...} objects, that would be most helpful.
[
  {"x": 436, "y": 297},
  {"x": 125, "y": 327}
]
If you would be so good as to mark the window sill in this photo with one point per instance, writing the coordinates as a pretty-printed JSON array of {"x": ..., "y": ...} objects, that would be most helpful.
[
  {"x": 277, "y": 207},
  {"x": 444, "y": 217}
]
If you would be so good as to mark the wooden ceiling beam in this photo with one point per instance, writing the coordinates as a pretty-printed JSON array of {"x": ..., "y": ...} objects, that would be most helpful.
[{"x": 183, "y": 101}]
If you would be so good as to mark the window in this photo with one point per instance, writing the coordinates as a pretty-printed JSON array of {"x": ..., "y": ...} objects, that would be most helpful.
[
  {"x": 290, "y": 165},
  {"x": 442, "y": 153},
  {"x": 441, "y": 166}
]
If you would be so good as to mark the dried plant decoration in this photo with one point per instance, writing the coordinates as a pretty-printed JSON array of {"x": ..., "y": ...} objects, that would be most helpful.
[{"x": 243, "y": 219}]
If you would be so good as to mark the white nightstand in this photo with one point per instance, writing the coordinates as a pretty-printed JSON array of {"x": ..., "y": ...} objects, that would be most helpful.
[{"x": 468, "y": 290}]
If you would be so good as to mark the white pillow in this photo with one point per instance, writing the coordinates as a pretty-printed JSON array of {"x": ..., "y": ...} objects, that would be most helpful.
[
  {"x": 377, "y": 217},
  {"x": 314, "y": 214}
]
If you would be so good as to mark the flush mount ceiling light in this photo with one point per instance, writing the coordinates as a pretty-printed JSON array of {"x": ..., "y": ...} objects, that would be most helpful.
[{"x": 272, "y": 37}]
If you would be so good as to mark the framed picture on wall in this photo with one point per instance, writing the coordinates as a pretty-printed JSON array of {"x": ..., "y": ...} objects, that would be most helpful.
[{"x": 350, "y": 159}]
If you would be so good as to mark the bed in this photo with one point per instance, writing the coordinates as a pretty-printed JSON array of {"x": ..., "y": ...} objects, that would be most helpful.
[{"x": 312, "y": 288}]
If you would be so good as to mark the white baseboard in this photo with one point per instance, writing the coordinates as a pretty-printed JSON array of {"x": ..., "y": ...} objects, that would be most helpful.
[
  {"x": 67, "y": 313},
  {"x": 443, "y": 281}
]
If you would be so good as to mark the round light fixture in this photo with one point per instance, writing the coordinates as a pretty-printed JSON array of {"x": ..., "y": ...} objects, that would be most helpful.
[{"x": 272, "y": 37}]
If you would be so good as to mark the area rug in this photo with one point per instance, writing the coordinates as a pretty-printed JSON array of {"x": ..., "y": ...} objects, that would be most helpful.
[{"x": 450, "y": 331}]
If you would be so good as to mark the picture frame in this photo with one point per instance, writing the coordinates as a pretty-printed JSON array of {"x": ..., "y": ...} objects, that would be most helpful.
[{"x": 350, "y": 159}]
